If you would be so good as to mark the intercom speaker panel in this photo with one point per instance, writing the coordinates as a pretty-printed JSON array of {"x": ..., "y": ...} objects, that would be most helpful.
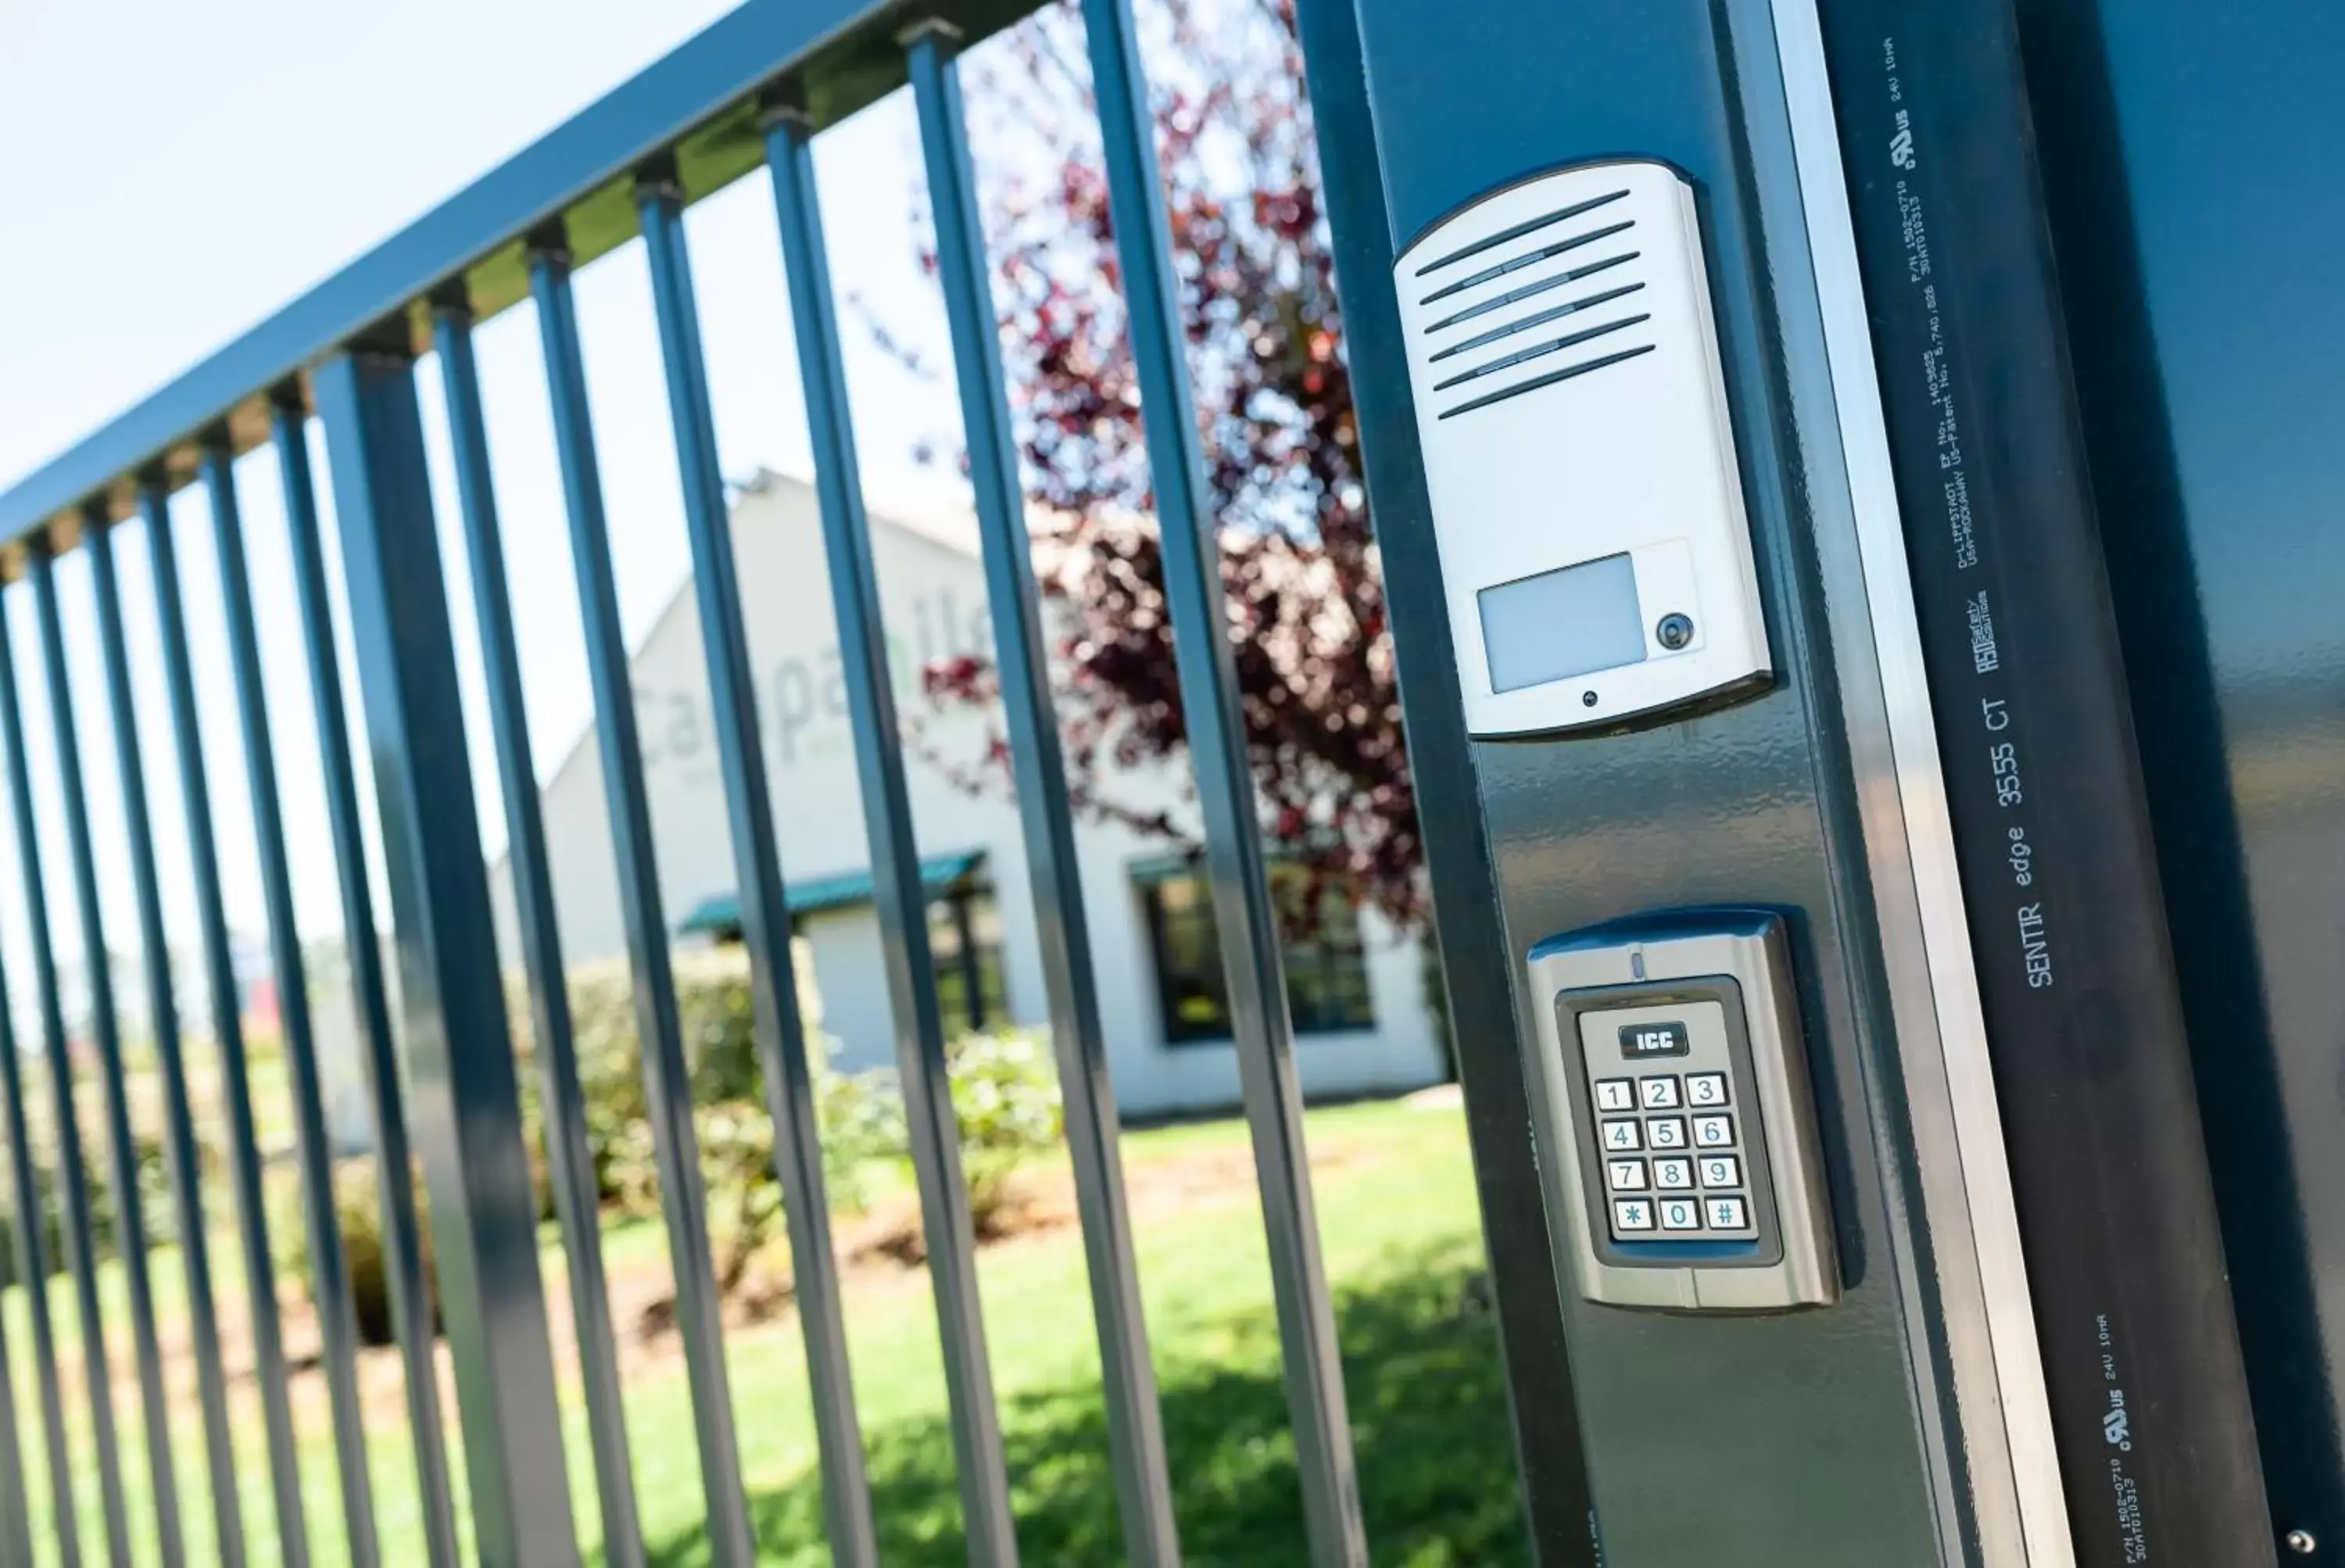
[{"x": 1587, "y": 500}]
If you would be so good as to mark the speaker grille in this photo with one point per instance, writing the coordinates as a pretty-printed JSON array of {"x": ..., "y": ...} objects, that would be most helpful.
[{"x": 1575, "y": 270}]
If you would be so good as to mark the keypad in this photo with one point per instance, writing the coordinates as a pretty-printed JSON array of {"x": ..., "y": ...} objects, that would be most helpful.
[{"x": 1653, "y": 1190}]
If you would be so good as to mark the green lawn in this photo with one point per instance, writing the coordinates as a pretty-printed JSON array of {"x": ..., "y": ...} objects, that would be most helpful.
[{"x": 1403, "y": 1250}]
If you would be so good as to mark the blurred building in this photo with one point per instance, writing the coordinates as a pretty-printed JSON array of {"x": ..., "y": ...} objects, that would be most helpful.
[{"x": 1355, "y": 987}]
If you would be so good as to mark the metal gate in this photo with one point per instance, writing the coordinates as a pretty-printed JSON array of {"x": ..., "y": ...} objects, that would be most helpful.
[
  {"x": 2028, "y": 1352},
  {"x": 756, "y": 89}
]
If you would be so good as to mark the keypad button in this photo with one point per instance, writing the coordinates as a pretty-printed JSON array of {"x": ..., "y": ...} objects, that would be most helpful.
[
  {"x": 1721, "y": 1170},
  {"x": 1632, "y": 1214},
  {"x": 1680, "y": 1214},
  {"x": 1616, "y": 1095},
  {"x": 1673, "y": 1174},
  {"x": 1705, "y": 1090},
  {"x": 1667, "y": 1131},
  {"x": 1626, "y": 1175},
  {"x": 1728, "y": 1213},
  {"x": 1622, "y": 1137},
  {"x": 1711, "y": 1132},
  {"x": 1658, "y": 1091}
]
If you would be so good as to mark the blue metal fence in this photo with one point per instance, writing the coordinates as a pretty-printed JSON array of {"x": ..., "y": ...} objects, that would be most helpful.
[{"x": 759, "y": 87}]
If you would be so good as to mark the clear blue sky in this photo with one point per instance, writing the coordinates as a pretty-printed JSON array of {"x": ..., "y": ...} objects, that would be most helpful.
[{"x": 178, "y": 172}]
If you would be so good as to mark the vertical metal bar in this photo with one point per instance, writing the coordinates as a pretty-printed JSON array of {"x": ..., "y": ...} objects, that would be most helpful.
[
  {"x": 97, "y": 976},
  {"x": 898, "y": 888},
  {"x": 227, "y": 1033},
  {"x": 756, "y": 859},
  {"x": 1225, "y": 791},
  {"x": 181, "y": 1151},
  {"x": 15, "y": 1502},
  {"x": 329, "y": 1275},
  {"x": 32, "y": 1254},
  {"x": 466, "y": 1101},
  {"x": 72, "y": 1179},
  {"x": 402, "y": 1230},
  {"x": 667, "y": 1082},
  {"x": 576, "y": 1202},
  {"x": 1134, "y": 1421}
]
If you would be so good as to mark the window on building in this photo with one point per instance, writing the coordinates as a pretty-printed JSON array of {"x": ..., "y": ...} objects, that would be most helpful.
[
  {"x": 1327, "y": 967},
  {"x": 965, "y": 942}
]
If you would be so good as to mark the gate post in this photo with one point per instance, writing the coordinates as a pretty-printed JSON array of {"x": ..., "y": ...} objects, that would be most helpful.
[
  {"x": 467, "y": 1109},
  {"x": 1693, "y": 1430}
]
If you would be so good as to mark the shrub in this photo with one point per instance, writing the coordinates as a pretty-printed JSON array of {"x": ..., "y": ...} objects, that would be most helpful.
[
  {"x": 154, "y": 1197},
  {"x": 1005, "y": 1094},
  {"x": 358, "y": 1205},
  {"x": 358, "y": 1213},
  {"x": 730, "y": 1117}
]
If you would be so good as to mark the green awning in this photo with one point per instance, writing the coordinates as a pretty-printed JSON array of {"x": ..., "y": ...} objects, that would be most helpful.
[
  {"x": 719, "y": 915},
  {"x": 1175, "y": 866}
]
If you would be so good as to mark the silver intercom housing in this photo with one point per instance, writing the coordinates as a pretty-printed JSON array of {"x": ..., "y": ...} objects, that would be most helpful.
[
  {"x": 1680, "y": 1153},
  {"x": 1587, "y": 500}
]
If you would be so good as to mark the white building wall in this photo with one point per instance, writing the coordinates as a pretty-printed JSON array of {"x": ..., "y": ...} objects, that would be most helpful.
[
  {"x": 851, "y": 970},
  {"x": 932, "y": 590}
]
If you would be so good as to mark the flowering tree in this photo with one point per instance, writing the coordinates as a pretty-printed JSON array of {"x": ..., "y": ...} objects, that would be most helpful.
[{"x": 1281, "y": 443}]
